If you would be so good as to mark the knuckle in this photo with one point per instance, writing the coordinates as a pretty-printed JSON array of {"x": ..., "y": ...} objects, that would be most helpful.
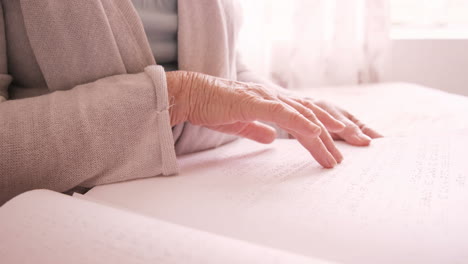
[
  {"x": 296, "y": 117},
  {"x": 351, "y": 126},
  {"x": 308, "y": 104},
  {"x": 262, "y": 91},
  {"x": 309, "y": 115}
]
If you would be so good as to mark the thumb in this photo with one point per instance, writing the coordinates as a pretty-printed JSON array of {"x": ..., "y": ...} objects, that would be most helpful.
[{"x": 252, "y": 130}]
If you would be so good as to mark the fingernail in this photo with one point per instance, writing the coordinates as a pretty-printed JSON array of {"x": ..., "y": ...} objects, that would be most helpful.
[
  {"x": 361, "y": 138},
  {"x": 339, "y": 159},
  {"x": 331, "y": 162},
  {"x": 366, "y": 137}
]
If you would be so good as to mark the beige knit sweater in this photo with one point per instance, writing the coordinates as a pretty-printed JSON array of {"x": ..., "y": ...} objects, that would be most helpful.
[{"x": 82, "y": 101}]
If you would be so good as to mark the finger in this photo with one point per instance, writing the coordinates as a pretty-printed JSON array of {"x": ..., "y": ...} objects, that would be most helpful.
[
  {"x": 306, "y": 112},
  {"x": 353, "y": 135},
  {"x": 335, "y": 136},
  {"x": 252, "y": 130},
  {"x": 316, "y": 148},
  {"x": 331, "y": 146},
  {"x": 371, "y": 132},
  {"x": 279, "y": 113},
  {"x": 330, "y": 122},
  {"x": 364, "y": 128},
  {"x": 324, "y": 136}
]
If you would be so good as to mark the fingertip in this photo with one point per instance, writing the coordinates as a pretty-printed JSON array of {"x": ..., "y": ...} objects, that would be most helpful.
[
  {"x": 359, "y": 140},
  {"x": 376, "y": 135},
  {"x": 371, "y": 133},
  {"x": 327, "y": 160},
  {"x": 366, "y": 138},
  {"x": 330, "y": 163},
  {"x": 339, "y": 158},
  {"x": 332, "y": 148}
]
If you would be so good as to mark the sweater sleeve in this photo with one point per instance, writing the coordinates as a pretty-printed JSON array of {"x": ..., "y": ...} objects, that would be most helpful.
[{"x": 114, "y": 129}]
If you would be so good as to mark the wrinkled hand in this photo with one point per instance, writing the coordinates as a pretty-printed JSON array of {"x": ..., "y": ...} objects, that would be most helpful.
[{"x": 235, "y": 107}]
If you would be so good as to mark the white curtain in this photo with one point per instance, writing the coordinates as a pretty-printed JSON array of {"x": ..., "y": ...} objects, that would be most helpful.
[{"x": 310, "y": 43}]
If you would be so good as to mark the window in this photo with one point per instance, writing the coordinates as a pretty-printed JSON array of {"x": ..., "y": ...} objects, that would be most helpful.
[
  {"x": 434, "y": 13},
  {"x": 429, "y": 18}
]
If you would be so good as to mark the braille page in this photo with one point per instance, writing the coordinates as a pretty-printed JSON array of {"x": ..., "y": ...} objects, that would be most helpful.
[
  {"x": 401, "y": 200},
  {"x": 48, "y": 227}
]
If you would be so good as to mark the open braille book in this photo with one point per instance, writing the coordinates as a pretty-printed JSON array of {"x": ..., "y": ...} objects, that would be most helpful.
[{"x": 401, "y": 200}]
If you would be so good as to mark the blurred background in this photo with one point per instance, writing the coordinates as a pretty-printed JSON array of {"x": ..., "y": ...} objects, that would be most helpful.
[{"x": 303, "y": 44}]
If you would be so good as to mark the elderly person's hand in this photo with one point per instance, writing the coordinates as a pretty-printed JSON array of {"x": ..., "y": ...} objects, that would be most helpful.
[{"x": 235, "y": 107}]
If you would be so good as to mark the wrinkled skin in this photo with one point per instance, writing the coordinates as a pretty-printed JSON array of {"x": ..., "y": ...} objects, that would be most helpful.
[{"x": 236, "y": 108}]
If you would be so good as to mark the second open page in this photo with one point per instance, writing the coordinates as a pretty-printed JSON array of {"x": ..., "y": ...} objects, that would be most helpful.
[{"x": 401, "y": 200}]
